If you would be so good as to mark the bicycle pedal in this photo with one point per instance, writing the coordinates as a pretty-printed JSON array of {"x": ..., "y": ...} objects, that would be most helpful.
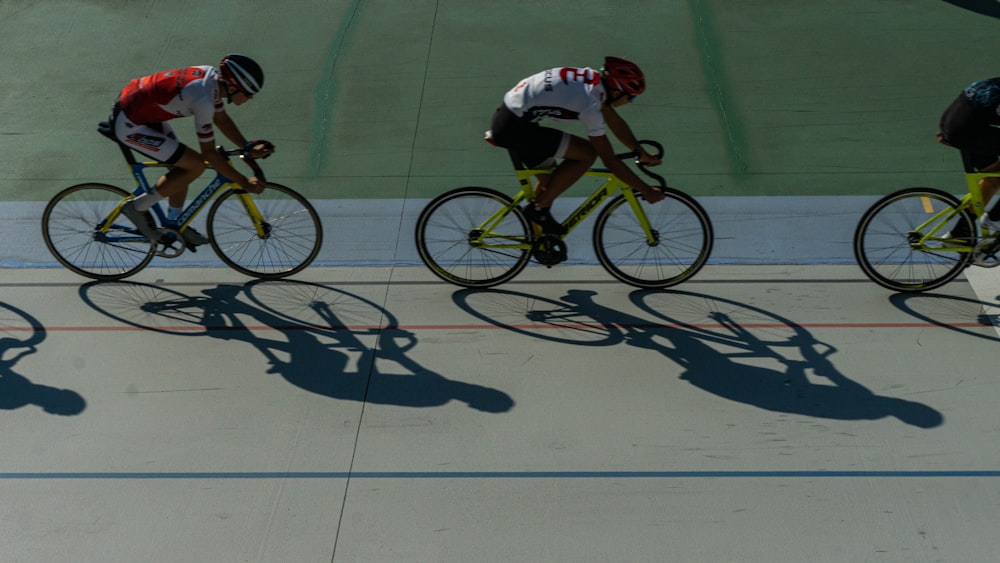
[
  {"x": 986, "y": 261},
  {"x": 985, "y": 255}
]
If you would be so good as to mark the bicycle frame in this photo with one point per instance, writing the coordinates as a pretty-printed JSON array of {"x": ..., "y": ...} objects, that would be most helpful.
[
  {"x": 941, "y": 219},
  {"x": 215, "y": 186},
  {"x": 524, "y": 175}
]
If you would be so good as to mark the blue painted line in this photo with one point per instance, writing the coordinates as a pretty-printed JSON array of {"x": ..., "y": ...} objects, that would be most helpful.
[{"x": 502, "y": 475}]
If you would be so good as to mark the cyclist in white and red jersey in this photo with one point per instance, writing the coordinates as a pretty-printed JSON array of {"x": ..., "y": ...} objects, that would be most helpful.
[
  {"x": 139, "y": 121},
  {"x": 570, "y": 93}
]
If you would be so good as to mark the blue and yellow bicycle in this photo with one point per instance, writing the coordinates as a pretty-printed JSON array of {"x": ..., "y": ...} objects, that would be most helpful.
[{"x": 271, "y": 235}]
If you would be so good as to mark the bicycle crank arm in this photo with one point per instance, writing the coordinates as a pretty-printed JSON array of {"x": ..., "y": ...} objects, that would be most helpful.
[{"x": 171, "y": 244}]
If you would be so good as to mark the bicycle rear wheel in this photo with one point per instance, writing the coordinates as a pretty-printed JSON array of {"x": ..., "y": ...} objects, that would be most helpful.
[
  {"x": 292, "y": 239},
  {"x": 448, "y": 237},
  {"x": 71, "y": 230},
  {"x": 882, "y": 241},
  {"x": 682, "y": 242}
]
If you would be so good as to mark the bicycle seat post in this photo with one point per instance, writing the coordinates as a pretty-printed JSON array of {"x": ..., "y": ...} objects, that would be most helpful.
[{"x": 526, "y": 188}]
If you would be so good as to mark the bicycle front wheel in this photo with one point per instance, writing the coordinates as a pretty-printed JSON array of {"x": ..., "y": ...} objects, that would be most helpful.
[
  {"x": 71, "y": 229},
  {"x": 681, "y": 244},
  {"x": 456, "y": 243},
  {"x": 888, "y": 248},
  {"x": 289, "y": 240}
]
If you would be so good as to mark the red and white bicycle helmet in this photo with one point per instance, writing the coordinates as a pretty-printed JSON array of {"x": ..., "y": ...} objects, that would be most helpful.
[
  {"x": 242, "y": 72},
  {"x": 623, "y": 75}
]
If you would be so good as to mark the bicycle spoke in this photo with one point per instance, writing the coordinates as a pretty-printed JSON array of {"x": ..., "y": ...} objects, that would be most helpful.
[
  {"x": 450, "y": 245},
  {"x": 294, "y": 233},
  {"x": 684, "y": 241},
  {"x": 69, "y": 228},
  {"x": 885, "y": 252}
]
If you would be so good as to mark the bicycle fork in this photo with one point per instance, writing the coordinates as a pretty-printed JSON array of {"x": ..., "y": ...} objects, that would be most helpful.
[
  {"x": 262, "y": 227},
  {"x": 652, "y": 235}
]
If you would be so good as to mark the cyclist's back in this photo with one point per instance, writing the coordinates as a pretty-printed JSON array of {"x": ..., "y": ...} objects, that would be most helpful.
[
  {"x": 560, "y": 93},
  {"x": 184, "y": 92}
]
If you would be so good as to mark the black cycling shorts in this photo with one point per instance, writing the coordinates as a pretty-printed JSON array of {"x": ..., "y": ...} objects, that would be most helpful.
[
  {"x": 533, "y": 143},
  {"x": 969, "y": 129}
]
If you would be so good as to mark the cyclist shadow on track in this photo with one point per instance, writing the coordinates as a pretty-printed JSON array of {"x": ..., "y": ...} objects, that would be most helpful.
[
  {"x": 708, "y": 352},
  {"x": 316, "y": 356},
  {"x": 17, "y": 391}
]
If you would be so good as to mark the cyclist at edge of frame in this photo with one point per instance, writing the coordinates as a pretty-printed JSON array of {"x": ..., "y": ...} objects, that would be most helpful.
[
  {"x": 139, "y": 117},
  {"x": 972, "y": 124},
  {"x": 568, "y": 93}
]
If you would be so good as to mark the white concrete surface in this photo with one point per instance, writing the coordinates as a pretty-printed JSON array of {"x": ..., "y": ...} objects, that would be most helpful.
[{"x": 780, "y": 413}]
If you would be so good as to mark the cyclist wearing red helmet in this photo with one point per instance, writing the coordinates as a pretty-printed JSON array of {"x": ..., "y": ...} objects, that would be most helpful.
[
  {"x": 569, "y": 93},
  {"x": 147, "y": 103}
]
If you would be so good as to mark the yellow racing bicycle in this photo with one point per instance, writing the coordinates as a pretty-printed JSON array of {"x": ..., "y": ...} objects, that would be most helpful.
[
  {"x": 904, "y": 240},
  {"x": 479, "y": 237}
]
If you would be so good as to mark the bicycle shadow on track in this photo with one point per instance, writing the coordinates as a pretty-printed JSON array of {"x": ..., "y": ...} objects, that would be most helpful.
[
  {"x": 20, "y": 335},
  {"x": 724, "y": 347},
  {"x": 321, "y": 345},
  {"x": 960, "y": 314}
]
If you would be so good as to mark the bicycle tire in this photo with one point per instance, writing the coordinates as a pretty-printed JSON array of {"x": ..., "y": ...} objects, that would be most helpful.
[
  {"x": 684, "y": 238},
  {"x": 70, "y": 230},
  {"x": 294, "y": 237},
  {"x": 882, "y": 247},
  {"x": 444, "y": 229}
]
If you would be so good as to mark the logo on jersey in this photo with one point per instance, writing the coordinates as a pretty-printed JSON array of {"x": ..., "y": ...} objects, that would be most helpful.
[
  {"x": 540, "y": 112},
  {"x": 585, "y": 75},
  {"x": 146, "y": 141}
]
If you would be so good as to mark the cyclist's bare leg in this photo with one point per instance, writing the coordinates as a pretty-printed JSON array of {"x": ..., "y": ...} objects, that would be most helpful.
[
  {"x": 174, "y": 184},
  {"x": 989, "y": 185},
  {"x": 579, "y": 157}
]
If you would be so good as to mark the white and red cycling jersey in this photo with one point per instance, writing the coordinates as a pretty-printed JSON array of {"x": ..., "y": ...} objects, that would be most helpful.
[
  {"x": 561, "y": 93},
  {"x": 183, "y": 92}
]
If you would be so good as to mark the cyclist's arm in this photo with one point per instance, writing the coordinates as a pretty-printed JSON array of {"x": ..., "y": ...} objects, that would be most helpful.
[
  {"x": 607, "y": 155},
  {"x": 228, "y": 128},
  {"x": 624, "y": 133},
  {"x": 232, "y": 132},
  {"x": 219, "y": 163}
]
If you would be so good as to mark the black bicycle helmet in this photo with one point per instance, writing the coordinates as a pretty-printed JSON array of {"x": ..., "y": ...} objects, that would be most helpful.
[{"x": 242, "y": 72}]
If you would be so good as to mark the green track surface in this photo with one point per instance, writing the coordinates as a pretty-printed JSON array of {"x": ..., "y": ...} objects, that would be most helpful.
[{"x": 389, "y": 99}]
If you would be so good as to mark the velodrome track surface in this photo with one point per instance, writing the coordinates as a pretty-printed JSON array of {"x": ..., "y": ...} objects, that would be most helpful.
[{"x": 778, "y": 407}]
